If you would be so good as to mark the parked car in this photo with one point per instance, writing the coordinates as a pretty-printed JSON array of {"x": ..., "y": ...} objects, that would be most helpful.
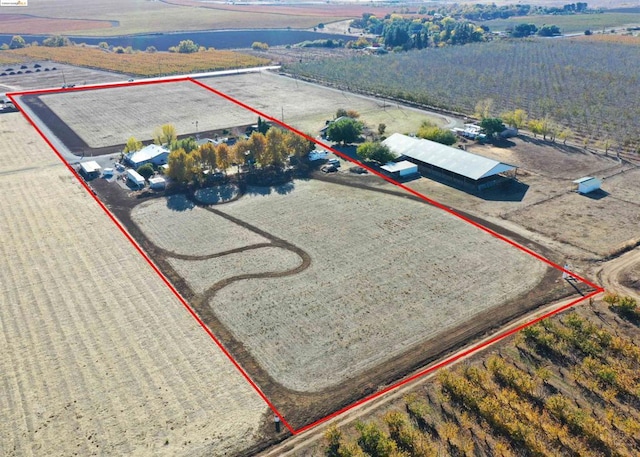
[
  {"x": 328, "y": 168},
  {"x": 334, "y": 162},
  {"x": 358, "y": 170}
]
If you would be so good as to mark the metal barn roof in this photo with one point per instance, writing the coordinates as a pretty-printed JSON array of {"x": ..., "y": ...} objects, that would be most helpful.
[
  {"x": 461, "y": 162},
  {"x": 147, "y": 153},
  {"x": 90, "y": 167},
  {"x": 394, "y": 167}
]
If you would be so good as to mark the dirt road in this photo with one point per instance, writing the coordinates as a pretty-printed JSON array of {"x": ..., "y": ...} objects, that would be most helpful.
[{"x": 609, "y": 274}]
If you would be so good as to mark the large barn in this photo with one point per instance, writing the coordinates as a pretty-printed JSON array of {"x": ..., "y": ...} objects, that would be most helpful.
[{"x": 434, "y": 159}]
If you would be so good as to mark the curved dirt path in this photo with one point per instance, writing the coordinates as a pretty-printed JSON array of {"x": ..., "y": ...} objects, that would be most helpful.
[{"x": 609, "y": 274}]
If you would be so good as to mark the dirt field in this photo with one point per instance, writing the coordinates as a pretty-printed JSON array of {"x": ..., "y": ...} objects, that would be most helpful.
[
  {"x": 203, "y": 274},
  {"x": 98, "y": 357},
  {"x": 110, "y": 116},
  {"x": 307, "y": 106},
  {"x": 180, "y": 227},
  {"x": 368, "y": 251},
  {"x": 53, "y": 78}
]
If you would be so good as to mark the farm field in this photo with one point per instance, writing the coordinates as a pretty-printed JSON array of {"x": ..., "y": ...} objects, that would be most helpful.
[
  {"x": 174, "y": 224},
  {"x": 99, "y": 117},
  {"x": 555, "y": 78},
  {"x": 307, "y": 106},
  {"x": 139, "y": 63},
  {"x": 318, "y": 328},
  {"x": 140, "y": 16},
  {"x": 576, "y": 23},
  {"x": 581, "y": 220},
  {"x": 98, "y": 356},
  {"x": 109, "y": 117},
  {"x": 51, "y": 78}
]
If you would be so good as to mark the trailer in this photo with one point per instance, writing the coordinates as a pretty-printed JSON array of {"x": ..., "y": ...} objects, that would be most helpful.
[{"x": 135, "y": 178}]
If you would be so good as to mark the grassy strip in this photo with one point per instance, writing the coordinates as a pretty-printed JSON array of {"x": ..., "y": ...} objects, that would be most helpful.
[{"x": 139, "y": 63}]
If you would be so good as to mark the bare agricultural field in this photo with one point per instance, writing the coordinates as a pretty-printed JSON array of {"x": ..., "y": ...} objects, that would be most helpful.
[
  {"x": 98, "y": 357},
  {"x": 179, "y": 227},
  {"x": 387, "y": 273},
  {"x": 108, "y": 117},
  {"x": 22, "y": 146},
  {"x": 601, "y": 224},
  {"x": 307, "y": 106},
  {"x": 203, "y": 274}
]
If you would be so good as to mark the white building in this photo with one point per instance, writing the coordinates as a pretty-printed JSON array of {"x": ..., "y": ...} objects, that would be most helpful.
[
  {"x": 587, "y": 184},
  {"x": 157, "y": 155},
  {"x": 135, "y": 178},
  {"x": 401, "y": 169}
]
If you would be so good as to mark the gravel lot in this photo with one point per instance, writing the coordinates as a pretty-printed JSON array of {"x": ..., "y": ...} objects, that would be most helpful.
[
  {"x": 98, "y": 357},
  {"x": 387, "y": 273}
]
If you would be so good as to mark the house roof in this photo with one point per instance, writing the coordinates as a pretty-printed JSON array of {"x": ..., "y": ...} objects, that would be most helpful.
[
  {"x": 393, "y": 167},
  {"x": 461, "y": 162},
  {"x": 90, "y": 166},
  {"x": 585, "y": 179},
  {"x": 147, "y": 153}
]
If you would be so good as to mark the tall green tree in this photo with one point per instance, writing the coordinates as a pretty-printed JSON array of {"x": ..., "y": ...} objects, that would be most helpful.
[
  {"x": 376, "y": 152},
  {"x": 492, "y": 126},
  {"x": 345, "y": 130},
  {"x": 432, "y": 132}
]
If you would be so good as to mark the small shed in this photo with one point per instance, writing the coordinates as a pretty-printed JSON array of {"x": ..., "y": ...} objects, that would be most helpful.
[
  {"x": 401, "y": 169},
  {"x": 587, "y": 184},
  {"x": 157, "y": 182},
  {"x": 135, "y": 178},
  {"x": 90, "y": 168}
]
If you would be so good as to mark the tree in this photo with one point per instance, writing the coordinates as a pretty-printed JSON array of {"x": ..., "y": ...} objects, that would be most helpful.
[
  {"x": 483, "y": 108},
  {"x": 17, "y": 42},
  {"x": 257, "y": 146},
  {"x": 516, "y": 118},
  {"x": 432, "y": 132},
  {"x": 345, "y": 130},
  {"x": 492, "y": 126},
  {"x": 132, "y": 145},
  {"x": 259, "y": 46},
  {"x": 103, "y": 45},
  {"x": 549, "y": 30},
  {"x": 341, "y": 112},
  {"x": 275, "y": 153},
  {"x": 353, "y": 114},
  {"x": 223, "y": 157},
  {"x": 523, "y": 30},
  {"x": 376, "y": 152},
  {"x": 146, "y": 170},
  {"x": 56, "y": 41},
  {"x": 166, "y": 134},
  {"x": 151, "y": 49},
  {"x": 208, "y": 155},
  {"x": 296, "y": 145},
  {"x": 180, "y": 166},
  {"x": 263, "y": 126},
  {"x": 188, "y": 144},
  {"x": 187, "y": 47},
  {"x": 565, "y": 134},
  {"x": 381, "y": 128}
]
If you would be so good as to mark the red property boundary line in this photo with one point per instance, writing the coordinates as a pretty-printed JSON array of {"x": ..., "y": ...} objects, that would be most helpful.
[{"x": 448, "y": 361}]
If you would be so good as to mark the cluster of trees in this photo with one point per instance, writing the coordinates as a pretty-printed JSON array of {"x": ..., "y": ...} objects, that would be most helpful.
[
  {"x": 525, "y": 30},
  {"x": 188, "y": 162},
  {"x": 375, "y": 152},
  {"x": 489, "y": 11},
  {"x": 430, "y": 131},
  {"x": 186, "y": 47},
  {"x": 567, "y": 386},
  {"x": 404, "y": 33},
  {"x": 259, "y": 46},
  {"x": 17, "y": 42}
]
